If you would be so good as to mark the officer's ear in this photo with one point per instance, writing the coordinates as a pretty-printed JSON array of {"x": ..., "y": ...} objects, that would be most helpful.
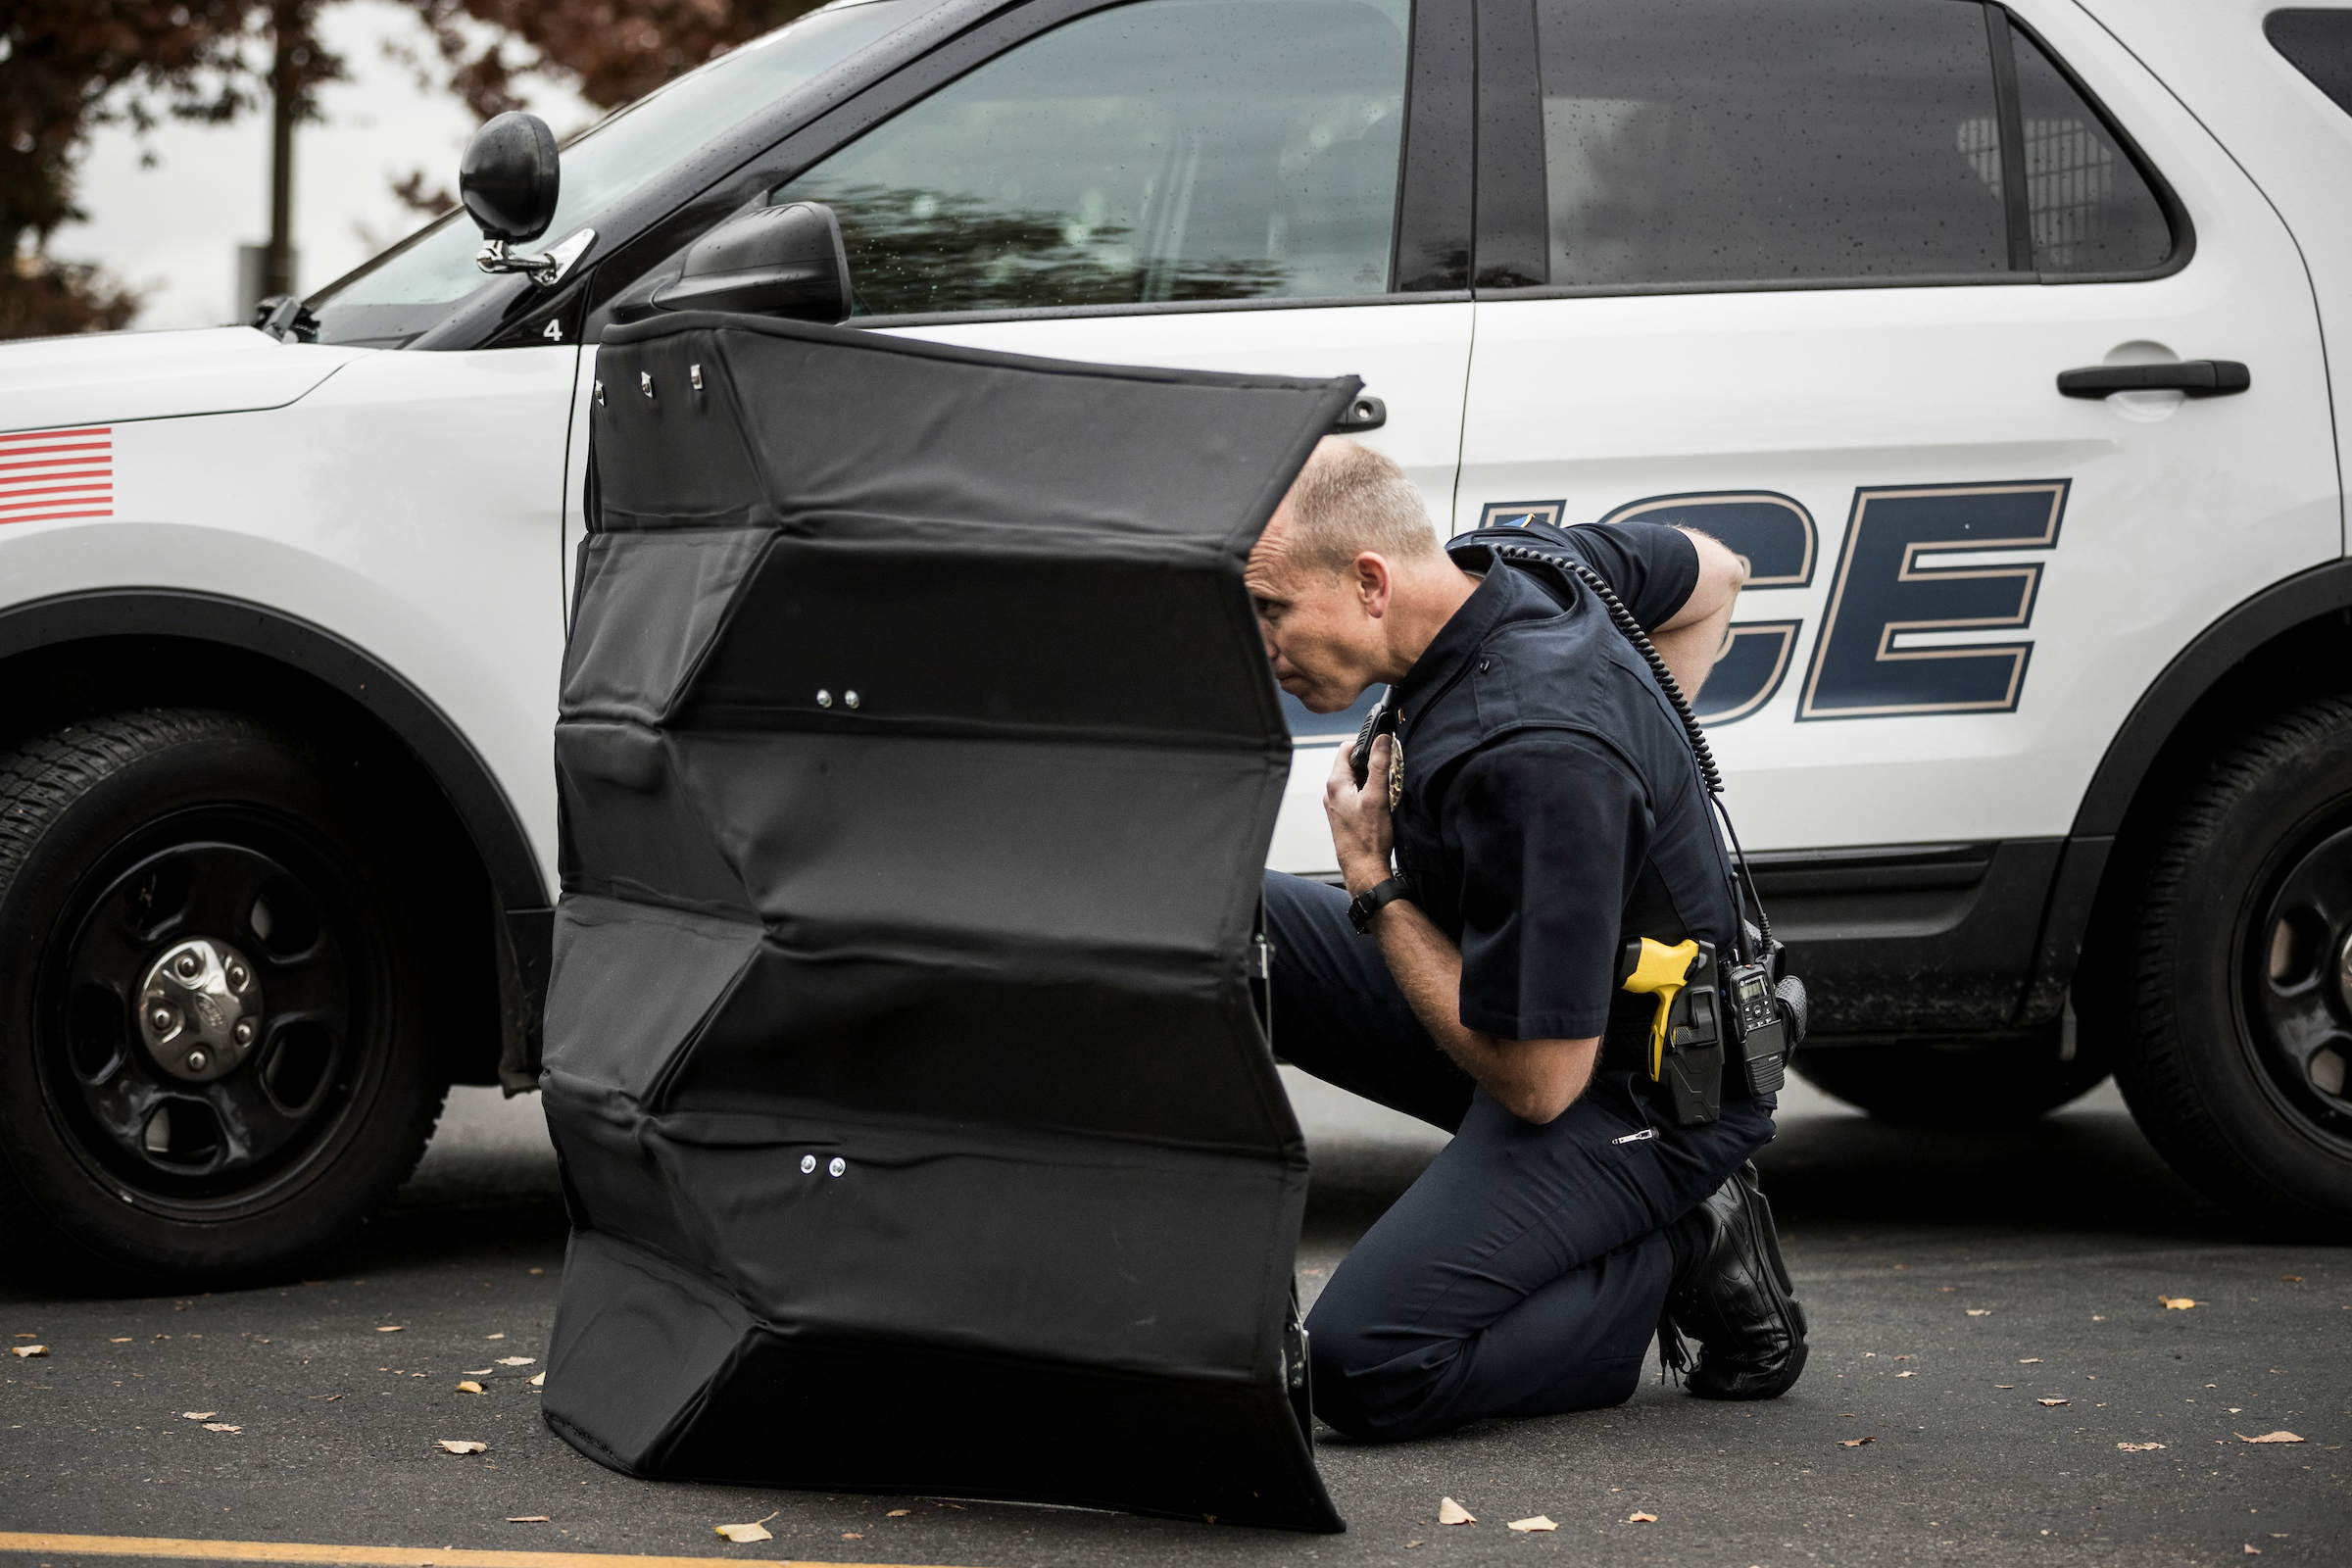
[{"x": 1373, "y": 580}]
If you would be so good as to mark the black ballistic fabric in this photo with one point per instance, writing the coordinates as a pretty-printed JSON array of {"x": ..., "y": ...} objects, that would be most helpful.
[{"x": 985, "y": 941}]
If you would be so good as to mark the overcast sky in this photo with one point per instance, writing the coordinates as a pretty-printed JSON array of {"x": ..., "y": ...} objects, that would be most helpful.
[{"x": 173, "y": 230}]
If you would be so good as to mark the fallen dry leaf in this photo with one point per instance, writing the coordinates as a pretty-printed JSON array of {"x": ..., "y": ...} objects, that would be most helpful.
[
  {"x": 1641, "y": 1519},
  {"x": 2291, "y": 1279},
  {"x": 28, "y": 1349},
  {"x": 1979, "y": 1312},
  {"x": 480, "y": 1371},
  {"x": 539, "y": 1382},
  {"x": 516, "y": 1360},
  {"x": 898, "y": 1513},
  {"x": 2177, "y": 1304},
  {"x": 222, "y": 1426},
  {"x": 1854, "y": 1442},
  {"x": 529, "y": 1519},
  {"x": 124, "y": 1339},
  {"x": 1450, "y": 1512},
  {"x": 1410, "y": 1545},
  {"x": 2004, "y": 1385},
  {"x": 1539, "y": 1522},
  {"x": 199, "y": 1415},
  {"x": 391, "y": 1328},
  {"x": 502, "y": 1335},
  {"x": 2280, "y": 1436},
  {"x": 2053, "y": 1401},
  {"x": 853, "y": 1535},
  {"x": 742, "y": 1534},
  {"x": 462, "y": 1446},
  {"x": 2253, "y": 1551},
  {"x": 2029, "y": 1361},
  {"x": 469, "y": 1387},
  {"x": 2140, "y": 1448},
  {"x": 1906, "y": 1374}
]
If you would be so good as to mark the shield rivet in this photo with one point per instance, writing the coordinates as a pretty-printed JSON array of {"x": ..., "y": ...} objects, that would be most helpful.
[
  {"x": 807, "y": 1163},
  {"x": 645, "y": 382},
  {"x": 838, "y": 1166},
  {"x": 849, "y": 698},
  {"x": 824, "y": 699}
]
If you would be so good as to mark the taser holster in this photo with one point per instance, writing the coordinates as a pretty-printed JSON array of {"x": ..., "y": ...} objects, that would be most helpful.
[{"x": 1684, "y": 1054}]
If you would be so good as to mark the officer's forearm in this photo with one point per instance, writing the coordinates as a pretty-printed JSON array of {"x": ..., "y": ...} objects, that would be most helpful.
[
  {"x": 1533, "y": 1079},
  {"x": 1692, "y": 637},
  {"x": 1691, "y": 651}
]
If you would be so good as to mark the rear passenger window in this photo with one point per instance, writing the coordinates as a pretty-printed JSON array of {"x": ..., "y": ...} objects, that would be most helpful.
[
  {"x": 2090, "y": 209},
  {"x": 1165, "y": 151},
  {"x": 2319, "y": 44},
  {"x": 1692, "y": 141},
  {"x": 1724, "y": 141}
]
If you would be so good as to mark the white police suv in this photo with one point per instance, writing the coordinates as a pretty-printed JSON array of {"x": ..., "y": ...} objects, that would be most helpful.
[{"x": 1996, "y": 336}]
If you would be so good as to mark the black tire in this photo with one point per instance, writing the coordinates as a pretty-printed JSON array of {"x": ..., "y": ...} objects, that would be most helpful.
[
  {"x": 2235, "y": 984},
  {"x": 1954, "y": 1083},
  {"x": 214, "y": 841}
]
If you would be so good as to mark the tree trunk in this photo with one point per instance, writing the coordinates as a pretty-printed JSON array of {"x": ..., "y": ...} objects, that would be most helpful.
[{"x": 289, "y": 33}]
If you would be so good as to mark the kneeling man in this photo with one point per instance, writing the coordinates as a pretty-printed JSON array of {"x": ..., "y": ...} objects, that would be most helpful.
[{"x": 1546, "y": 809}]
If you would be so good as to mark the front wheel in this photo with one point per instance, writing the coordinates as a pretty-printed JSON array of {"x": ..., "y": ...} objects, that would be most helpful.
[
  {"x": 2239, "y": 983},
  {"x": 213, "y": 1054}
]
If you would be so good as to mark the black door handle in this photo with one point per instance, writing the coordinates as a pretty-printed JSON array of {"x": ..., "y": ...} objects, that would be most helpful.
[{"x": 2199, "y": 379}]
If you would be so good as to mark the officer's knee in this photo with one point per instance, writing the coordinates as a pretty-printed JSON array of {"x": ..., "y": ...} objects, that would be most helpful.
[{"x": 1366, "y": 1382}]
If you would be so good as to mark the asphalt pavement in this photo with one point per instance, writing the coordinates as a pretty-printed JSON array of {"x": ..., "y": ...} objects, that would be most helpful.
[{"x": 1995, "y": 1378}]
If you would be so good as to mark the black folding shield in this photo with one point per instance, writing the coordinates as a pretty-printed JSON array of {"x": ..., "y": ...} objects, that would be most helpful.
[{"x": 904, "y": 1048}]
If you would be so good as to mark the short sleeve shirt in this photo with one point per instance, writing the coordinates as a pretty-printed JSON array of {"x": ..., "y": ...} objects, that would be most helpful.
[{"x": 1551, "y": 806}]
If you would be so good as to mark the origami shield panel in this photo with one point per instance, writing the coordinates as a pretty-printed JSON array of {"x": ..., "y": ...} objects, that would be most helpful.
[{"x": 905, "y": 1047}]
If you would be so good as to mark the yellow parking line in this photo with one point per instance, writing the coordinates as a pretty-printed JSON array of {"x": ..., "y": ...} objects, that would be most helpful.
[{"x": 382, "y": 1557}]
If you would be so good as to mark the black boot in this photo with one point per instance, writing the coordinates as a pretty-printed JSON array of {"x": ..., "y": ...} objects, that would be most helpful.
[{"x": 1734, "y": 1299}]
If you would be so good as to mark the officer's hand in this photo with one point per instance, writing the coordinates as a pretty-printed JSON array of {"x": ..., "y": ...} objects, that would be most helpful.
[{"x": 1360, "y": 827}]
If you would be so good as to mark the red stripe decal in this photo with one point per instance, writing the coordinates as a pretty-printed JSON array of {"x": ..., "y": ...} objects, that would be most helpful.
[{"x": 56, "y": 476}]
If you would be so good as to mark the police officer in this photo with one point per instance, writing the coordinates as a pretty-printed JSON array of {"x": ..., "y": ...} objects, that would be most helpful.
[{"x": 1547, "y": 807}]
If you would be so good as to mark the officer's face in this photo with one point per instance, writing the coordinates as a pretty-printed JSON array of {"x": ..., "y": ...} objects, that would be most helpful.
[{"x": 1321, "y": 627}]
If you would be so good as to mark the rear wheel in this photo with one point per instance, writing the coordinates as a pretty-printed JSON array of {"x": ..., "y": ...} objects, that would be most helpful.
[
  {"x": 1954, "y": 1083},
  {"x": 212, "y": 1052},
  {"x": 2239, "y": 983}
]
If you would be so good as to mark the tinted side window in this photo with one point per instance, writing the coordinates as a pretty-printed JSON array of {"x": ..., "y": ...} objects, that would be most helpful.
[
  {"x": 1167, "y": 150},
  {"x": 2319, "y": 44},
  {"x": 1721, "y": 140},
  {"x": 2091, "y": 210}
]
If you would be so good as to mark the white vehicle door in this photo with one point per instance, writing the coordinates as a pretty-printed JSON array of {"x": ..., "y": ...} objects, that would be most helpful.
[
  {"x": 1807, "y": 275},
  {"x": 1221, "y": 184}
]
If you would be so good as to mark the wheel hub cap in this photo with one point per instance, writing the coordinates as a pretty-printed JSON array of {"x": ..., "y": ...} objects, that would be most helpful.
[{"x": 200, "y": 1010}]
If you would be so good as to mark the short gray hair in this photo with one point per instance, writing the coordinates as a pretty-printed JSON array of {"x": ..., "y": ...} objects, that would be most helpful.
[{"x": 1349, "y": 499}]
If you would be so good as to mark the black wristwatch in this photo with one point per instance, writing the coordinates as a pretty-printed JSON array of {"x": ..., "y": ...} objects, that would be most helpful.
[{"x": 1368, "y": 903}]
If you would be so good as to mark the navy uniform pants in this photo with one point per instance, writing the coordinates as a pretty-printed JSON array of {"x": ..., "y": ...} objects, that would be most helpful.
[{"x": 1523, "y": 1274}]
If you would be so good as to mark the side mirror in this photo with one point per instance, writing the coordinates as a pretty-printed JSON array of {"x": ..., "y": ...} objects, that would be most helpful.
[
  {"x": 509, "y": 178},
  {"x": 774, "y": 260}
]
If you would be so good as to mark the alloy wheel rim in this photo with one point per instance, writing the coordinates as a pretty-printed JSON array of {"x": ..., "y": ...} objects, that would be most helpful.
[
  {"x": 249, "y": 932},
  {"x": 2296, "y": 997}
]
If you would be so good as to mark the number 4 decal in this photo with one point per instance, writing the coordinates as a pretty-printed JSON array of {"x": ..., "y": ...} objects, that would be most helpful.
[
  {"x": 1775, "y": 535},
  {"x": 1868, "y": 662}
]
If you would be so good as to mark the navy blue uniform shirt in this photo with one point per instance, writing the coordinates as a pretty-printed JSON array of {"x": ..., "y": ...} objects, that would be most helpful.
[{"x": 1551, "y": 806}]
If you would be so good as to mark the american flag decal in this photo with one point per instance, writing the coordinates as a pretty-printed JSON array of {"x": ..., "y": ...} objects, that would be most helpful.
[{"x": 57, "y": 473}]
